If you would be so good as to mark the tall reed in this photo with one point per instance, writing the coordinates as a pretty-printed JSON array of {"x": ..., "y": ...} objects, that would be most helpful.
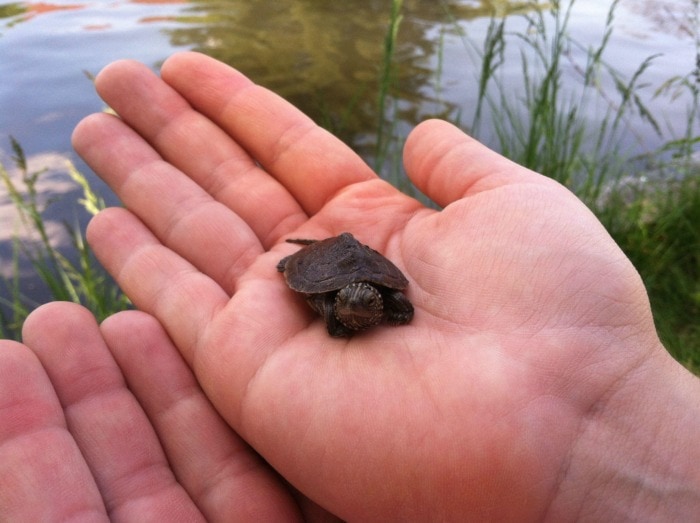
[
  {"x": 76, "y": 277},
  {"x": 385, "y": 125},
  {"x": 650, "y": 203}
]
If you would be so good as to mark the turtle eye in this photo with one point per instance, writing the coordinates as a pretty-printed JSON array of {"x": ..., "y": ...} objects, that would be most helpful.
[{"x": 373, "y": 300}]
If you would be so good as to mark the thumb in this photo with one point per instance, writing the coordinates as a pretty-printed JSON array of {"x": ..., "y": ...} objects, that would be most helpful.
[{"x": 446, "y": 164}]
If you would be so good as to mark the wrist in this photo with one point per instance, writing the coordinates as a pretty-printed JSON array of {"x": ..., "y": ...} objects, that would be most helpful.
[{"x": 637, "y": 454}]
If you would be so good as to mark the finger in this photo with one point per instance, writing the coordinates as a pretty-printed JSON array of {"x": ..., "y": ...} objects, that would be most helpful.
[
  {"x": 156, "y": 279},
  {"x": 217, "y": 468},
  {"x": 310, "y": 162},
  {"x": 198, "y": 147},
  {"x": 447, "y": 165},
  {"x": 106, "y": 421},
  {"x": 43, "y": 476},
  {"x": 180, "y": 213}
]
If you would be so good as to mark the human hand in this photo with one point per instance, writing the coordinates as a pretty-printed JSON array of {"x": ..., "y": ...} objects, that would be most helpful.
[
  {"x": 122, "y": 433},
  {"x": 529, "y": 319}
]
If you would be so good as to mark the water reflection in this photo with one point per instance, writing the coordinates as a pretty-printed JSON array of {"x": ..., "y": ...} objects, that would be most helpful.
[
  {"x": 51, "y": 184},
  {"x": 23, "y": 11},
  {"x": 325, "y": 57},
  {"x": 17, "y": 12},
  {"x": 668, "y": 16}
]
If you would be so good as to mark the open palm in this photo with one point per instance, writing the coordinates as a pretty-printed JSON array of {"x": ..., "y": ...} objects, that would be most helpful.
[{"x": 520, "y": 296}]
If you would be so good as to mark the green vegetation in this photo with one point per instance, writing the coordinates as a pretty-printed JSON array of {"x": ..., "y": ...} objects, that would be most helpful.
[
  {"x": 650, "y": 204},
  {"x": 656, "y": 224},
  {"x": 81, "y": 281},
  {"x": 386, "y": 80}
]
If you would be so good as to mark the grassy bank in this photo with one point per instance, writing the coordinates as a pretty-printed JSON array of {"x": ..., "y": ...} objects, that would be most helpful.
[
  {"x": 650, "y": 204},
  {"x": 656, "y": 225}
]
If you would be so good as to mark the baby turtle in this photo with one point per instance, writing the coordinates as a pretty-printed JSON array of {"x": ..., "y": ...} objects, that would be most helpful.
[{"x": 349, "y": 284}]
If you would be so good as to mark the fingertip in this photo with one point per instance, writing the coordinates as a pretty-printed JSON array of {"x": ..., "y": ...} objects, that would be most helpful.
[
  {"x": 56, "y": 320},
  {"x": 447, "y": 164},
  {"x": 119, "y": 328},
  {"x": 116, "y": 70},
  {"x": 118, "y": 77},
  {"x": 15, "y": 359},
  {"x": 94, "y": 228},
  {"x": 186, "y": 59},
  {"x": 80, "y": 132},
  {"x": 8, "y": 346},
  {"x": 24, "y": 389},
  {"x": 101, "y": 232},
  {"x": 86, "y": 131},
  {"x": 113, "y": 235}
]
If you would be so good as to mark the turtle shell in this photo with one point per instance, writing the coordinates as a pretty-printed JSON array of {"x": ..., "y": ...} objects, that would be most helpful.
[{"x": 331, "y": 264}]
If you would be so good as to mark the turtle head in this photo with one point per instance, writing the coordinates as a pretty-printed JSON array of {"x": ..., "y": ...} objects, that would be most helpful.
[{"x": 359, "y": 306}]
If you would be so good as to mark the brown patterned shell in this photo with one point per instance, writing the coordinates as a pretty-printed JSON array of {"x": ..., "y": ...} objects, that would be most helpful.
[{"x": 331, "y": 264}]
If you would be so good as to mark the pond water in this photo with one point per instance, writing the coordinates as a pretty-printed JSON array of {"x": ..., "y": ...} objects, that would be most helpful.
[{"x": 325, "y": 57}]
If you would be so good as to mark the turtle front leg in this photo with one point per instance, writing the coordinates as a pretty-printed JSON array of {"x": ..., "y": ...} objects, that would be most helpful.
[
  {"x": 324, "y": 305},
  {"x": 398, "y": 310}
]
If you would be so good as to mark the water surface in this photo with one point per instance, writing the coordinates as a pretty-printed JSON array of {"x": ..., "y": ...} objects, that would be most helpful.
[{"x": 325, "y": 57}]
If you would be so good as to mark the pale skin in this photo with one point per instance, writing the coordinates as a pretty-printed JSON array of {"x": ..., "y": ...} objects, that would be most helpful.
[{"x": 530, "y": 385}]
